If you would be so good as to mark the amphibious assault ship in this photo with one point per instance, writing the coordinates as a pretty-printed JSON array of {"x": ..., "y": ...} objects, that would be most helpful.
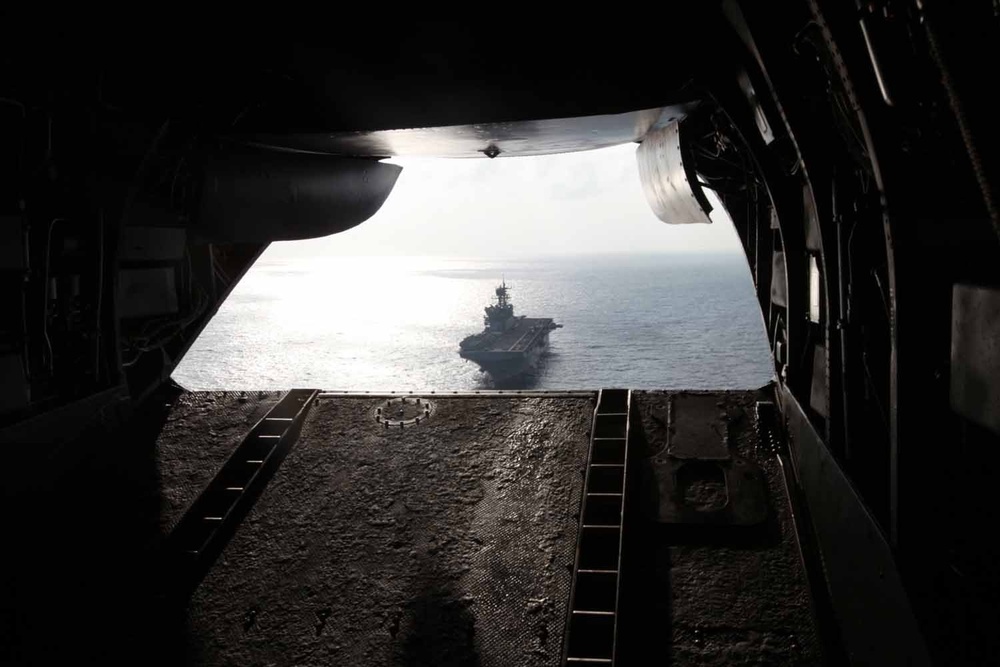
[{"x": 510, "y": 345}]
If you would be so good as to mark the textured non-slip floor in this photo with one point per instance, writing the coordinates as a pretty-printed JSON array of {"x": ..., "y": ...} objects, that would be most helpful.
[
  {"x": 447, "y": 543},
  {"x": 725, "y": 596}
]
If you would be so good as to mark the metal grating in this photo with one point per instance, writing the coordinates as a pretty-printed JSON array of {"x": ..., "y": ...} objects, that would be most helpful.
[{"x": 592, "y": 622}]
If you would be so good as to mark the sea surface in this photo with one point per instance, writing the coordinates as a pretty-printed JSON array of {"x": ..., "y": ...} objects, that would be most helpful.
[{"x": 391, "y": 323}]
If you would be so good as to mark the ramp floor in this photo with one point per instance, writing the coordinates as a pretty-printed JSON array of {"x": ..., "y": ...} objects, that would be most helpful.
[
  {"x": 448, "y": 543},
  {"x": 451, "y": 541}
]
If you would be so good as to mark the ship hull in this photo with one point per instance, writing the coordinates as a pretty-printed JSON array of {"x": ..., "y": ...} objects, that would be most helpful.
[{"x": 503, "y": 366}]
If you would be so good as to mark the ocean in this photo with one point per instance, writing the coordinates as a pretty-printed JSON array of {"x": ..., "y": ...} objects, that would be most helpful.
[{"x": 389, "y": 323}]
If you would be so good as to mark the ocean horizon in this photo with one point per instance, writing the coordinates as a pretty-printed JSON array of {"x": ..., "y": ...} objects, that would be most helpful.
[{"x": 393, "y": 323}]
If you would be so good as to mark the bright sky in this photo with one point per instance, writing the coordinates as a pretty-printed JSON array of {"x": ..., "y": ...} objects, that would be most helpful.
[{"x": 576, "y": 203}]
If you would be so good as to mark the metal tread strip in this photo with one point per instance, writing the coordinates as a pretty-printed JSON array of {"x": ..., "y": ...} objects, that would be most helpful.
[
  {"x": 592, "y": 619},
  {"x": 213, "y": 518}
]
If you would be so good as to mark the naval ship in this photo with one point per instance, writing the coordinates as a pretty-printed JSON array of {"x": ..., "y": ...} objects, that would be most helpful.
[{"x": 510, "y": 345}]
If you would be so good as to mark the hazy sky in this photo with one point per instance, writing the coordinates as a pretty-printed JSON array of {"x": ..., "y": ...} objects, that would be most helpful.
[{"x": 576, "y": 203}]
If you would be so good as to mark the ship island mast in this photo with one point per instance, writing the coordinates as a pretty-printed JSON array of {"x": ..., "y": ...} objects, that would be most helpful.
[{"x": 498, "y": 315}]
